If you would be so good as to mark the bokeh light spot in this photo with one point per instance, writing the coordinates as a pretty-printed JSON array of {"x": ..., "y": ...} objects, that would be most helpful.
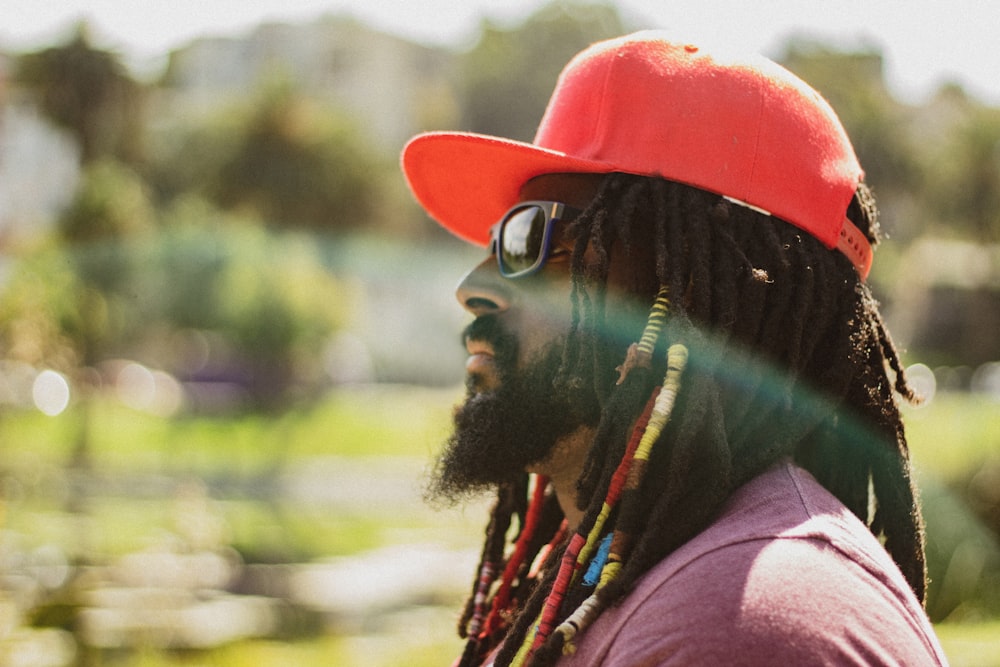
[{"x": 50, "y": 392}]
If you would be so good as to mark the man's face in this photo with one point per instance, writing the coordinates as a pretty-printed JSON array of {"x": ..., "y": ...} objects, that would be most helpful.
[{"x": 513, "y": 415}]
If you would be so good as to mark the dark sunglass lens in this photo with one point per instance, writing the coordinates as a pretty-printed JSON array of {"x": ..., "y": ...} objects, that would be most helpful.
[{"x": 521, "y": 239}]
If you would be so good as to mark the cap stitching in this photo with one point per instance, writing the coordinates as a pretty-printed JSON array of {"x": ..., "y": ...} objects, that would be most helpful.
[
  {"x": 598, "y": 135},
  {"x": 762, "y": 101}
]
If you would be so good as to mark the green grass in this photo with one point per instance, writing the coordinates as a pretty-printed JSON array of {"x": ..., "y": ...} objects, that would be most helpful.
[
  {"x": 146, "y": 463},
  {"x": 417, "y": 650},
  {"x": 971, "y": 645},
  {"x": 953, "y": 434},
  {"x": 270, "y": 533},
  {"x": 264, "y": 530},
  {"x": 375, "y": 421}
]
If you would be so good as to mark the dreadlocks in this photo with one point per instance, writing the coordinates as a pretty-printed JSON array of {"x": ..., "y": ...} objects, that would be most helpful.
[{"x": 787, "y": 357}]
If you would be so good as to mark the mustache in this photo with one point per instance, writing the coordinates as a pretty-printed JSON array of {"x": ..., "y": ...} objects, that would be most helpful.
[
  {"x": 490, "y": 330},
  {"x": 486, "y": 328}
]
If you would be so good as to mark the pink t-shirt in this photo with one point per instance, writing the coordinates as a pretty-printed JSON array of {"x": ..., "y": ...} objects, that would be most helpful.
[{"x": 786, "y": 576}]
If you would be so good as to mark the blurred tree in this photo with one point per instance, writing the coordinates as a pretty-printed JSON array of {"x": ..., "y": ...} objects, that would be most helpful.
[
  {"x": 505, "y": 81},
  {"x": 38, "y": 293},
  {"x": 263, "y": 296},
  {"x": 262, "y": 302},
  {"x": 295, "y": 163},
  {"x": 89, "y": 92},
  {"x": 965, "y": 164},
  {"x": 111, "y": 208},
  {"x": 279, "y": 310},
  {"x": 111, "y": 202},
  {"x": 187, "y": 151}
]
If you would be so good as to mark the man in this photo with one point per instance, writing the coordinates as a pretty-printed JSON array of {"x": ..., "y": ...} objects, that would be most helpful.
[{"x": 678, "y": 381}]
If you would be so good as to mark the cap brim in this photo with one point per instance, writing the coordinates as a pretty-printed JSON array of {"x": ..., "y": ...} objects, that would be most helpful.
[{"x": 467, "y": 181}]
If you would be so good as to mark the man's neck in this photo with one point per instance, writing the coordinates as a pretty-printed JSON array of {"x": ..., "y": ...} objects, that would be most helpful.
[{"x": 563, "y": 468}]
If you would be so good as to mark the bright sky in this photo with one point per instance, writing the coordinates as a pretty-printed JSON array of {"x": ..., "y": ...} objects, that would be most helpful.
[{"x": 925, "y": 42}]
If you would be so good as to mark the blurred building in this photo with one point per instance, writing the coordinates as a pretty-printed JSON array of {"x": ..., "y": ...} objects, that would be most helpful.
[
  {"x": 39, "y": 165},
  {"x": 394, "y": 87}
]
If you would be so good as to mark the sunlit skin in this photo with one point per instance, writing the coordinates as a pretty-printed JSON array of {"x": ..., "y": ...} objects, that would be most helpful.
[{"x": 537, "y": 309}]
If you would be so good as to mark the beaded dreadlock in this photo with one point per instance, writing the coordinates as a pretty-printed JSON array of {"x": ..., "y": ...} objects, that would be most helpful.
[{"x": 726, "y": 280}]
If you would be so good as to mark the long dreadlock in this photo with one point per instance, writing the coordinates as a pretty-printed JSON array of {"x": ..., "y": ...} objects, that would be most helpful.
[{"x": 748, "y": 294}]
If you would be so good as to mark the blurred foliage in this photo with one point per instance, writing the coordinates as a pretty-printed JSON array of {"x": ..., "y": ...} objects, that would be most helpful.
[
  {"x": 266, "y": 295},
  {"x": 285, "y": 159},
  {"x": 261, "y": 304},
  {"x": 111, "y": 202},
  {"x": 36, "y": 297},
  {"x": 257, "y": 306},
  {"x": 89, "y": 92},
  {"x": 109, "y": 209},
  {"x": 965, "y": 163},
  {"x": 955, "y": 445}
]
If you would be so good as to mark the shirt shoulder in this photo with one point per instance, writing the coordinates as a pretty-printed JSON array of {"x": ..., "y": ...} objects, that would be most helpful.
[{"x": 786, "y": 575}]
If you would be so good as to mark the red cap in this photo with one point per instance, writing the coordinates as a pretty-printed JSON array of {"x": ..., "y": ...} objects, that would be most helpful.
[{"x": 739, "y": 126}]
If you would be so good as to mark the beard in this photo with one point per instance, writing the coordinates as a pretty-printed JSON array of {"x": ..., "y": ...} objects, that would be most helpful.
[{"x": 500, "y": 432}]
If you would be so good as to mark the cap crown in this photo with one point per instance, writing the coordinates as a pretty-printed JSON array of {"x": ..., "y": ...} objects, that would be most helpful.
[{"x": 743, "y": 127}]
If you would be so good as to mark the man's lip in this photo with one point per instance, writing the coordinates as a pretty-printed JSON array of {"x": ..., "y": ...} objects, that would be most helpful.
[
  {"x": 478, "y": 347},
  {"x": 481, "y": 364}
]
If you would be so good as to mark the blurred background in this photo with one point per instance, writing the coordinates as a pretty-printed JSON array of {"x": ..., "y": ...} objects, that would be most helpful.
[{"x": 228, "y": 337}]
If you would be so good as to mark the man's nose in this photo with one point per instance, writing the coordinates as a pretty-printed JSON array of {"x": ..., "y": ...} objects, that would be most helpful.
[{"x": 483, "y": 290}]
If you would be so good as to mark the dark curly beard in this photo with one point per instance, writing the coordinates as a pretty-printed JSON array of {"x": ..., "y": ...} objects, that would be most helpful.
[{"x": 499, "y": 433}]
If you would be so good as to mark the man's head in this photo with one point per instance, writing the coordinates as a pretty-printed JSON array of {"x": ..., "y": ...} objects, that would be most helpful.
[{"x": 726, "y": 186}]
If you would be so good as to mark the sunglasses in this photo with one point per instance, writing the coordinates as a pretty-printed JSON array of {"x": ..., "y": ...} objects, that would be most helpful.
[{"x": 522, "y": 239}]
